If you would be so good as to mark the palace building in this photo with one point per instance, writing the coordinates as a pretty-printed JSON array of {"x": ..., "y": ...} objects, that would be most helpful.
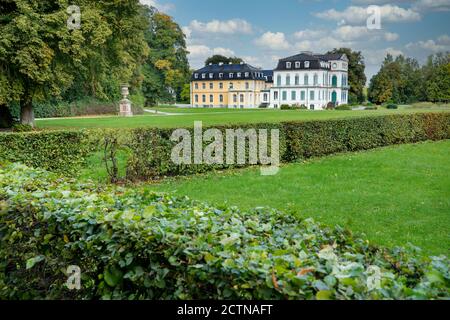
[
  {"x": 229, "y": 86},
  {"x": 307, "y": 79},
  {"x": 310, "y": 80}
]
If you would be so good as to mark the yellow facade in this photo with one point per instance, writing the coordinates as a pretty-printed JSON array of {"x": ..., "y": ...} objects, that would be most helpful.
[{"x": 238, "y": 93}]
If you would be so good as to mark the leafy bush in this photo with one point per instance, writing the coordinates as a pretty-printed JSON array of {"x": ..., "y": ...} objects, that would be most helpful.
[
  {"x": 135, "y": 244},
  {"x": 59, "y": 151},
  {"x": 392, "y": 106},
  {"x": 285, "y": 107},
  {"x": 19, "y": 127},
  {"x": 345, "y": 107},
  {"x": 371, "y": 108}
]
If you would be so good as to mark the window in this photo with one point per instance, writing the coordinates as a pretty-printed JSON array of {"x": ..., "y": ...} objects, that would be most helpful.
[
  {"x": 221, "y": 85},
  {"x": 334, "y": 81},
  {"x": 211, "y": 85},
  {"x": 231, "y": 85},
  {"x": 247, "y": 85},
  {"x": 316, "y": 79},
  {"x": 196, "y": 76},
  {"x": 242, "y": 98},
  {"x": 312, "y": 95},
  {"x": 234, "y": 98},
  {"x": 284, "y": 95},
  {"x": 211, "y": 75},
  {"x": 247, "y": 74},
  {"x": 303, "y": 95},
  {"x": 288, "y": 80},
  {"x": 239, "y": 74},
  {"x": 275, "y": 95},
  {"x": 220, "y": 75},
  {"x": 293, "y": 95},
  {"x": 221, "y": 98},
  {"x": 204, "y": 85},
  {"x": 231, "y": 75},
  {"x": 204, "y": 98},
  {"x": 297, "y": 65},
  {"x": 203, "y": 76},
  {"x": 288, "y": 65},
  {"x": 196, "y": 98},
  {"x": 265, "y": 97},
  {"x": 297, "y": 80},
  {"x": 196, "y": 86},
  {"x": 211, "y": 98},
  {"x": 306, "y": 80},
  {"x": 306, "y": 64},
  {"x": 279, "y": 80}
]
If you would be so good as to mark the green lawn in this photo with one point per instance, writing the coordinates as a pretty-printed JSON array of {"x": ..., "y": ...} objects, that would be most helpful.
[
  {"x": 214, "y": 117},
  {"x": 393, "y": 195}
]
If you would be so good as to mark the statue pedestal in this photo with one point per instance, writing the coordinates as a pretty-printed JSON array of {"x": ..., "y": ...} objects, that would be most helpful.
[{"x": 125, "y": 108}]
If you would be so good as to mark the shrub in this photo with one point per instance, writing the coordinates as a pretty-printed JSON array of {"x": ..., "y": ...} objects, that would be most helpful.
[
  {"x": 371, "y": 108},
  {"x": 19, "y": 127},
  {"x": 59, "y": 151},
  {"x": 345, "y": 107},
  {"x": 285, "y": 107},
  {"x": 135, "y": 244},
  {"x": 392, "y": 106}
]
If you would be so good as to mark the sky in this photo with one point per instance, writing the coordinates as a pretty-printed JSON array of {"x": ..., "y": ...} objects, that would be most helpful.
[{"x": 263, "y": 31}]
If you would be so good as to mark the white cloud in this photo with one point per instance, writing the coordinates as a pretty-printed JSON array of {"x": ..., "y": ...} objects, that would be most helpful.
[
  {"x": 390, "y": 36},
  {"x": 234, "y": 26},
  {"x": 161, "y": 7},
  {"x": 348, "y": 33},
  {"x": 358, "y": 15},
  {"x": 432, "y": 5},
  {"x": 309, "y": 34},
  {"x": 273, "y": 41},
  {"x": 199, "y": 53},
  {"x": 442, "y": 43},
  {"x": 376, "y": 57}
]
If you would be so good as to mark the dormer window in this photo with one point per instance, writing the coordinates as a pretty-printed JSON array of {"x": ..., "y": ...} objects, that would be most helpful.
[
  {"x": 288, "y": 65},
  {"x": 196, "y": 76},
  {"x": 203, "y": 76},
  {"x": 239, "y": 74},
  {"x": 306, "y": 64},
  {"x": 220, "y": 75},
  {"x": 247, "y": 74},
  {"x": 231, "y": 75},
  {"x": 297, "y": 64},
  {"x": 211, "y": 75}
]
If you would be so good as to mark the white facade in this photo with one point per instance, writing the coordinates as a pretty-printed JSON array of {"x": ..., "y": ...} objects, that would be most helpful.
[{"x": 312, "y": 85}]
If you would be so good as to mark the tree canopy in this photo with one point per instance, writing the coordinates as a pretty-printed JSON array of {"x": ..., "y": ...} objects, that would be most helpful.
[
  {"x": 216, "y": 59},
  {"x": 403, "y": 80}
]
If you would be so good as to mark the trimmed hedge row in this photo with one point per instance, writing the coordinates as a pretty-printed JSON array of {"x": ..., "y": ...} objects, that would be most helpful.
[
  {"x": 58, "y": 151},
  {"x": 150, "y": 148},
  {"x": 134, "y": 244}
]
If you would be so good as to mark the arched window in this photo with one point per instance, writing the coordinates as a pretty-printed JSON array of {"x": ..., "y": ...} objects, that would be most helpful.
[
  {"x": 221, "y": 98},
  {"x": 288, "y": 80},
  {"x": 196, "y": 98},
  {"x": 334, "y": 81},
  {"x": 279, "y": 80},
  {"x": 242, "y": 98},
  {"x": 211, "y": 98},
  {"x": 234, "y": 98},
  {"x": 316, "y": 79},
  {"x": 306, "y": 79},
  {"x": 297, "y": 80},
  {"x": 204, "y": 98}
]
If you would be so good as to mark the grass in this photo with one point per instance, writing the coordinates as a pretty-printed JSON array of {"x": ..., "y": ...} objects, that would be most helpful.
[
  {"x": 394, "y": 195},
  {"x": 212, "y": 117}
]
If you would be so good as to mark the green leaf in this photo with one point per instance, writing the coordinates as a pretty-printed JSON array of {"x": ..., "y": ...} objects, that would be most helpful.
[
  {"x": 324, "y": 295},
  {"x": 113, "y": 276},
  {"x": 32, "y": 261}
]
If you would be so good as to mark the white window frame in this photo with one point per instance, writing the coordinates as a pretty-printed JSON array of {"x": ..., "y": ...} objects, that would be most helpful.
[
  {"x": 307, "y": 64},
  {"x": 298, "y": 64},
  {"x": 288, "y": 65}
]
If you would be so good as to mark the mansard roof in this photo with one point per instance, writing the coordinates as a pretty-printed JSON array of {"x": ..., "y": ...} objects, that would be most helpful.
[
  {"x": 316, "y": 61},
  {"x": 247, "y": 72}
]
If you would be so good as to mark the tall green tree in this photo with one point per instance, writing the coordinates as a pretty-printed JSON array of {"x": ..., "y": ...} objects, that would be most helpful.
[
  {"x": 41, "y": 57},
  {"x": 356, "y": 74},
  {"x": 216, "y": 59},
  {"x": 166, "y": 70}
]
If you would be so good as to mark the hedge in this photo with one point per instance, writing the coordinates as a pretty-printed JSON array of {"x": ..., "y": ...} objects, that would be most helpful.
[
  {"x": 59, "y": 151},
  {"x": 150, "y": 148},
  {"x": 135, "y": 244}
]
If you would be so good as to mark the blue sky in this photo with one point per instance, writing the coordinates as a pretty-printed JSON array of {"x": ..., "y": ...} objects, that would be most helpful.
[{"x": 264, "y": 31}]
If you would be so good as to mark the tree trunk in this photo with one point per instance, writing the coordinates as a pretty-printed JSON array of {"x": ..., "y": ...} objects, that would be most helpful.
[
  {"x": 6, "y": 119},
  {"x": 26, "y": 111}
]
